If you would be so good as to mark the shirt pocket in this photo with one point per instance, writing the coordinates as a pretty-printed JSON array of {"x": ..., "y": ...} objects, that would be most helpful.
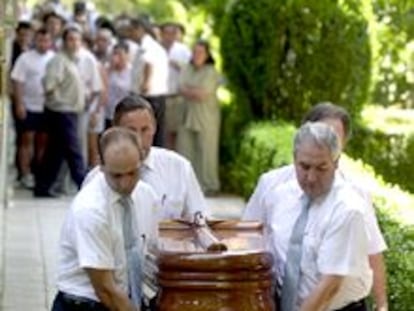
[{"x": 171, "y": 207}]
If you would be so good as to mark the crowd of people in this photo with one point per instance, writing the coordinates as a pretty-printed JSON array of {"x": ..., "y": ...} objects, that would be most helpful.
[
  {"x": 68, "y": 72},
  {"x": 108, "y": 98}
]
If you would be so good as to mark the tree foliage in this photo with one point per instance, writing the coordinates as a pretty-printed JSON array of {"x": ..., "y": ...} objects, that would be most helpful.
[
  {"x": 394, "y": 33},
  {"x": 283, "y": 57}
]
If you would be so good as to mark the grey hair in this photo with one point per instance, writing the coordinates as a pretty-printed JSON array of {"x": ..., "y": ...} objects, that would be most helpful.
[{"x": 320, "y": 134}]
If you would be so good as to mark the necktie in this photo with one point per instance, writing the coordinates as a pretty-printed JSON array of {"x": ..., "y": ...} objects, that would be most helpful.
[
  {"x": 131, "y": 252},
  {"x": 291, "y": 277}
]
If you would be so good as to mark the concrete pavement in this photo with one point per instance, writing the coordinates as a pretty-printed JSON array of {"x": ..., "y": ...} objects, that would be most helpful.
[{"x": 29, "y": 233}]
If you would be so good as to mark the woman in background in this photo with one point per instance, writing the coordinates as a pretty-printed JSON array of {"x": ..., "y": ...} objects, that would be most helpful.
[{"x": 198, "y": 134}]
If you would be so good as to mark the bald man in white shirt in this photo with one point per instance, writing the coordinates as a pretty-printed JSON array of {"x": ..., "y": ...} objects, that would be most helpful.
[{"x": 94, "y": 271}]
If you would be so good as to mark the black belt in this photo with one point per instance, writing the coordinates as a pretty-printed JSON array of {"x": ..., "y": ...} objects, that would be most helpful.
[
  {"x": 80, "y": 303},
  {"x": 359, "y": 305}
]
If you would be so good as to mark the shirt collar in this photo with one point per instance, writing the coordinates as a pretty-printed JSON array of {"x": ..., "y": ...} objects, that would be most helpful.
[
  {"x": 113, "y": 196},
  {"x": 149, "y": 160}
]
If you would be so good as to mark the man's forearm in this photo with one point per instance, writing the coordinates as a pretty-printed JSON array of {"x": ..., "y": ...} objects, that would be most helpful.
[
  {"x": 320, "y": 298},
  {"x": 109, "y": 293},
  {"x": 379, "y": 289},
  {"x": 147, "y": 73},
  {"x": 117, "y": 300}
]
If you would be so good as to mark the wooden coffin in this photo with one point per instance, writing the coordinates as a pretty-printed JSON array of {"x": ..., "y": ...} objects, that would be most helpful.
[{"x": 221, "y": 267}]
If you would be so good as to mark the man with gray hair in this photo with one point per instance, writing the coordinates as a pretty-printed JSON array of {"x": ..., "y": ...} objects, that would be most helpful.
[
  {"x": 338, "y": 118},
  {"x": 316, "y": 228}
]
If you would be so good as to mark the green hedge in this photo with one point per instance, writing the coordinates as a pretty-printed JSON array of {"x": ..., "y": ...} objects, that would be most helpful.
[
  {"x": 255, "y": 154},
  {"x": 385, "y": 140},
  {"x": 281, "y": 57},
  {"x": 264, "y": 146},
  {"x": 392, "y": 155}
]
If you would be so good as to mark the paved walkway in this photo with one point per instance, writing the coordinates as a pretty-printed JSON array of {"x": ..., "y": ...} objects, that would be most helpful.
[{"x": 29, "y": 231}]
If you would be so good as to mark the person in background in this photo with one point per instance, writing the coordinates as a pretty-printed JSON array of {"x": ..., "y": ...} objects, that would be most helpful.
[
  {"x": 29, "y": 100},
  {"x": 119, "y": 79},
  {"x": 20, "y": 44},
  {"x": 180, "y": 34},
  {"x": 123, "y": 29},
  {"x": 111, "y": 223},
  {"x": 80, "y": 16},
  {"x": 65, "y": 100},
  {"x": 179, "y": 55},
  {"x": 54, "y": 24},
  {"x": 104, "y": 42},
  {"x": 150, "y": 73},
  {"x": 198, "y": 134},
  {"x": 340, "y": 120},
  {"x": 92, "y": 119}
]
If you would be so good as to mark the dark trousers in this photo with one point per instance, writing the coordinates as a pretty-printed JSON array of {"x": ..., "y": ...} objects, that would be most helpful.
[
  {"x": 63, "y": 144},
  {"x": 65, "y": 302},
  {"x": 158, "y": 105},
  {"x": 360, "y": 305}
]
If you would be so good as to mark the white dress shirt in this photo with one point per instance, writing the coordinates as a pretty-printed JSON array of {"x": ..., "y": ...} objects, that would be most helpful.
[
  {"x": 334, "y": 243},
  {"x": 92, "y": 237},
  {"x": 270, "y": 180},
  {"x": 173, "y": 179},
  {"x": 89, "y": 69}
]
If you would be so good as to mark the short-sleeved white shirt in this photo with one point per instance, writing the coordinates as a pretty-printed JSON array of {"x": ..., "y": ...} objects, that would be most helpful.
[
  {"x": 89, "y": 69},
  {"x": 173, "y": 179},
  {"x": 118, "y": 87},
  {"x": 92, "y": 237},
  {"x": 29, "y": 70},
  {"x": 334, "y": 243},
  {"x": 180, "y": 54},
  {"x": 270, "y": 180},
  {"x": 156, "y": 56},
  {"x": 133, "y": 48}
]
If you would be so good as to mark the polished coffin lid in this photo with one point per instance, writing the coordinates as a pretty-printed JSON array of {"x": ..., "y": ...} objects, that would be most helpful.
[
  {"x": 217, "y": 267},
  {"x": 219, "y": 246}
]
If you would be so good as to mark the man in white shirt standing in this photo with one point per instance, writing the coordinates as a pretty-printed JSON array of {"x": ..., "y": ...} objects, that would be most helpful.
[
  {"x": 95, "y": 266},
  {"x": 150, "y": 73},
  {"x": 171, "y": 175},
  {"x": 179, "y": 55},
  {"x": 340, "y": 120},
  {"x": 317, "y": 232},
  {"x": 29, "y": 102},
  {"x": 92, "y": 119}
]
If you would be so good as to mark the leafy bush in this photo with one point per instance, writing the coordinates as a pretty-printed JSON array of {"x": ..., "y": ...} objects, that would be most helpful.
[
  {"x": 387, "y": 144},
  {"x": 283, "y": 56},
  {"x": 394, "y": 30},
  {"x": 255, "y": 154},
  {"x": 265, "y": 146}
]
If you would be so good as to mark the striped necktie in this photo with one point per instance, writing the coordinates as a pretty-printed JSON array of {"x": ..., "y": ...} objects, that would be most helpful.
[
  {"x": 290, "y": 281},
  {"x": 131, "y": 251}
]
